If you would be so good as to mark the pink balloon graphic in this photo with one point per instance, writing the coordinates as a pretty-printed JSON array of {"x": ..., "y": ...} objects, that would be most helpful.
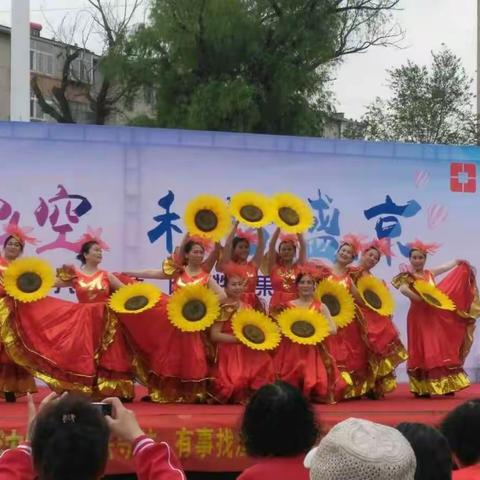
[
  {"x": 421, "y": 178},
  {"x": 436, "y": 215}
]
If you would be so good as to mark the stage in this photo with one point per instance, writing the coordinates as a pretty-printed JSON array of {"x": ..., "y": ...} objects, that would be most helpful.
[{"x": 205, "y": 437}]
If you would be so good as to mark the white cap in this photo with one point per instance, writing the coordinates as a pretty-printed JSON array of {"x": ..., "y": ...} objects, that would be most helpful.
[{"x": 357, "y": 449}]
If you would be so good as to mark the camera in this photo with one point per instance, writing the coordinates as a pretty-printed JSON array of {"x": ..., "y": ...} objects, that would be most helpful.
[{"x": 105, "y": 408}]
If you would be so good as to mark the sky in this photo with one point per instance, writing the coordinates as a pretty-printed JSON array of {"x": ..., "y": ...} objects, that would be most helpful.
[{"x": 360, "y": 77}]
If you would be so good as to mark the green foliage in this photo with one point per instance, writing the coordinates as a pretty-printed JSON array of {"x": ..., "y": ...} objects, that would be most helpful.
[
  {"x": 248, "y": 65},
  {"x": 426, "y": 105}
]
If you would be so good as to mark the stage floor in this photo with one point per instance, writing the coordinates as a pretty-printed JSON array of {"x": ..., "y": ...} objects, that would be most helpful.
[{"x": 205, "y": 437}]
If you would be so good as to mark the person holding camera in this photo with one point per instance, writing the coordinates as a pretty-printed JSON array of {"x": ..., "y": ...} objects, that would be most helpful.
[{"x": 68, "y": 438}]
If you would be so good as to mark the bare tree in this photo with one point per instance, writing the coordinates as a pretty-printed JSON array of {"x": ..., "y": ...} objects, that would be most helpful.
[{"x": 88, "y": 83}]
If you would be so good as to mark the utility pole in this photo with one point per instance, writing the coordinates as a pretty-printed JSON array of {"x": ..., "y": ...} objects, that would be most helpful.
[{"x": 20, "y": 62}]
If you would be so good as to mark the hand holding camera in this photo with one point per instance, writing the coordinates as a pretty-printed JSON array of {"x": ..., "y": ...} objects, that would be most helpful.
[{"x": 122, "y": 422}]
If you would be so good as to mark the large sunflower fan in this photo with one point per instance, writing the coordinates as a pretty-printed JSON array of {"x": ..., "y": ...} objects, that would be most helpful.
[
  {"x": 303, "y": 325},
  {"x": 292, "y": 214},
  {"x": 193, "y": 308},
  {"x": 338, "y": 301},
  {"x": 134, "y": 298},
  {"x": 433, "y": 296},
  {"x": 207, "y": 216},
  {"x": 255, "y": 330},
  {"x": 28, "y": 279},
  {"x": 252, "y": 209},
  {"x": 376, "y": 295}
]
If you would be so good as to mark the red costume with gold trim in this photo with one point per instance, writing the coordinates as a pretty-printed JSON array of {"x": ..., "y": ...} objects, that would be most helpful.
[
  {"x": 439, "y": 340},
  {"x": 283, "y": 285},
  {"x": 239, "y": 371},
  {"x": 310, "y": 368}
]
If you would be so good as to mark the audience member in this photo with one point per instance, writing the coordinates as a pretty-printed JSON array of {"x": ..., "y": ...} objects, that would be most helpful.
[{"x": 278, "y": 429}]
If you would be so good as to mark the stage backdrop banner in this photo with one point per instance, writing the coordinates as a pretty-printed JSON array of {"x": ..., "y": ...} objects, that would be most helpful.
[{"x": 134, "y": 184}]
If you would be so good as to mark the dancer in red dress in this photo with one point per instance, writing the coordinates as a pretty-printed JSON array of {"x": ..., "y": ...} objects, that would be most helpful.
[
  {"x": 179, "y": 361},
  {"x": 383, "y": 337},
  {"x": 238, "y": 371},
  {"x": 438, "y": 340},
  {"x": 310, "y": 368},
  {"x": 115, "y": 376},
  {"x": 14, "y": 380},
  {"x": 283, "y": 268},
  {"x": 350, "y": 346},
  {"x": 237, "y": 251}
]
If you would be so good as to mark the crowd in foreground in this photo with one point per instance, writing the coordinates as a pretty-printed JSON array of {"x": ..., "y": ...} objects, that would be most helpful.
[{"x": 68, "y": 439}]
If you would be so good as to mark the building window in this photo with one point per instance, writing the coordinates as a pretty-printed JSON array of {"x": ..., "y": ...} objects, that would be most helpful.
[
  {"x": 36, "y": 112},
  {"x": 82, "y": 69},
  {"x": 41, "y": 62}
]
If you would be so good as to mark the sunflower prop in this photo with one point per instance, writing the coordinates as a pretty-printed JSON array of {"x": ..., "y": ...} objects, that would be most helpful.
[
  {"x": 28, "y": 279},
  {"x": 292, "y": 214},
  {"x": 193, "y": 308},
  {"x": 376, "y": 295},
  {"x": 134, "y": 298},
  {"x": 255, "y": 330},
  {"x": 303, "y": 325},
  {"x": 433, "y": 296},
  {"x": 252, "y": 209},
  {"x": 338, "y": 301},
  {"x": 207, "y": 216}
]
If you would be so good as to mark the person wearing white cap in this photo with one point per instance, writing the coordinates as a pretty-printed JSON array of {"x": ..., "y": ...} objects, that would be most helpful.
[{"x": 357, "y": 449}]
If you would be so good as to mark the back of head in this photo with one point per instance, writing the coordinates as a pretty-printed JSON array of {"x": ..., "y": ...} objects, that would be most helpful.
[
  {"x": 278, "y": 421},
  {"x": 461, "y": 427},
  {"x": 70, "y": 440},
  {"x": 434, "y": 459},
  {"x": 362, "y": 450}
]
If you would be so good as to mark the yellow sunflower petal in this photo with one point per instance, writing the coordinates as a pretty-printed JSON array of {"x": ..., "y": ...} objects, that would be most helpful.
[
  {"x": 28, "y": 279},
  {"x": 376, "y": 295},
  {"x": 338, "y": 301},
  {"x": 291, "y": 213},
  {"x": 255, "y": 330},
  {"x": 303, "y": 325},
  {"x": 193, "y": 308},
  {"x": 252, "y": 209},
  {"x": 433, "y": 295},
  {"x": 134, "y": 298},
  {"x": 207, "y": 216}
]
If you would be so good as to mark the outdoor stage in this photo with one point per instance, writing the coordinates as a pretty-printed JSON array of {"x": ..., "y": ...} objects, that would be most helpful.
[{"x": 205, "y": 436}]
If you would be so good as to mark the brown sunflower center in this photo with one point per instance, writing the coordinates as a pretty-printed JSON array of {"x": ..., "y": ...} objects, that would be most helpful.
[
  {"x": 136, "y": 302},
  {"x": 194, "y": 310},
  {"x": 206, "y": 220},
  {"x": 289, "y": 216},
  {"x": 29, "y": 282},
  {"x": 431, "y": 299},
  {"x": 253, "y": 333},
  {"x": 332, "y": 303},
  {"x": 372, "y": 298},
  {"x": 302, "y": 328},
  {"x": 251, "y": 213}
]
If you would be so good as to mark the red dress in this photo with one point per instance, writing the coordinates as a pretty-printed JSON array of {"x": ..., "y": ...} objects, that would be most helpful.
[
  {"x": 350, "y": 349},
  {"x": 387, "y": 349},
  {"x": 239, "y": 371},
  {"x": 439, "y": 340},
  {"x": 115, "y": 360},
  {"x": 283, "y": 285},
  {"x": 276, "y": 468},
  {"x": 310, "y": 368},
  {"x": 13, "y": 378}
]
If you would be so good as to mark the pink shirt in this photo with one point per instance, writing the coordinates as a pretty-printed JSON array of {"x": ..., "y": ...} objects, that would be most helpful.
[{"x": 276, "y": 468}]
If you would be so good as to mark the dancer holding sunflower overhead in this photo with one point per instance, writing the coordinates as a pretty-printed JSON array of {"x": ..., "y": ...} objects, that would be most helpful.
[
  {"x": 349, "y": 346},
  {"x": 283, "y": 267},
  {"x": 242, "y": 336},
  {"x": 440, "y": 321},
  {"x": 303, "y": 358},
  {"x": 180, "y": 357},
  {"x": 93, "y": 285},
  {"x": 377, "y": 309},
  {"x": 14, "y": 380},
  {"x": 236, "y": 251}
]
